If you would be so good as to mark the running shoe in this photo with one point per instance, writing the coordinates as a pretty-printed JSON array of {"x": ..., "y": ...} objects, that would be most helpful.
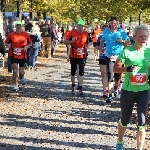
[
  {"x": 15, "y": 88},
  {"x": 116, "y": 93},
  {"x": 81, "y": 93},
  {"x": 119, "y": 146},
  {"x": 109, "y": 100}
]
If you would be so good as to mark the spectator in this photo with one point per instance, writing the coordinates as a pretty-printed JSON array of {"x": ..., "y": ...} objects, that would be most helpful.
[{"x": 46, "y": 33}]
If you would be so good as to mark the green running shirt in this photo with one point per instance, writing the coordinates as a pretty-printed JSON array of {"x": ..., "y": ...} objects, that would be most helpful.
[{"x": 136, "y": 81}]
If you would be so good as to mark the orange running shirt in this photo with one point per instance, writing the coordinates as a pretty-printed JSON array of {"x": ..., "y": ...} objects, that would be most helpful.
[
  {"x": 78, "y": 48},
  {"x": 18, "y": 40},
  {"x": 82, "y": 38},
  {"x": 96, "y": 35}
]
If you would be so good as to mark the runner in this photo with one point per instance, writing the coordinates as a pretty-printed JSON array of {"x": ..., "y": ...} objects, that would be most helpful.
[
  {"x": 18, "y": 42},
  {"x": 78, "y": 38},
  {"x": 115, "y": 39},
  {"x": 136, "y": 60},
  {"x": 102, "y": 63},
  {"x": 95, "y": 35}
]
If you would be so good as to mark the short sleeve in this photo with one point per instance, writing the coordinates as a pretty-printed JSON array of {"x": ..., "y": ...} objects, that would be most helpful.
[
  {"x": 103, "y": 37},
  {"x": 8, "y": 39},
  {"x": 124, "y": 36}
]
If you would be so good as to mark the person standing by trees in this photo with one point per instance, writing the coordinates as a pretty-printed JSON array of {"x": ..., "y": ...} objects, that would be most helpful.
[
  {"x": 135, "y": 89},
  {"x": 46, "y": 36}
]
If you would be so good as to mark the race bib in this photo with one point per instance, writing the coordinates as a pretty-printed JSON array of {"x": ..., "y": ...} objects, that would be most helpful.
[
  {"x": 80, "y": 51},
  {"x": 138, "y": 79},
  {"x": 113, "y": 58},
  {"x": 17, "y": 51}
]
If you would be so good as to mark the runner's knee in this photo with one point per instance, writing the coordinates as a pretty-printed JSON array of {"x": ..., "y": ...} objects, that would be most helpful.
[
  {"x": 121, "y": 124},
  {"x": 73, "y": 72}
]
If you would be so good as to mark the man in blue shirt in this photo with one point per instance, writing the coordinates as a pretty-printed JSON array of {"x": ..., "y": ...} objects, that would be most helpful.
[{"x": 115, "y": 39}]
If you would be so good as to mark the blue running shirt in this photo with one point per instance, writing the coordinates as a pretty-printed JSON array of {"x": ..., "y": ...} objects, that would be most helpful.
[{"x": 113, "y": 47}]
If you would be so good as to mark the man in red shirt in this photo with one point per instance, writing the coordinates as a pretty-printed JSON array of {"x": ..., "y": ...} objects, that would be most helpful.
[
  {"x": 79, "y": 40},
  {"x": 18, "y": 42}
]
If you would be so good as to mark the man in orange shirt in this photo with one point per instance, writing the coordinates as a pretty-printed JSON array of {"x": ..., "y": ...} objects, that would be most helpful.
[
  {"x": 95, "y": 36},
  {"x": 18, "y": 42},
  {"x": 79, "y": 39}
]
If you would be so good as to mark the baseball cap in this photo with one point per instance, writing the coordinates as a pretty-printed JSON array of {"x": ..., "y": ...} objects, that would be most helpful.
[
  {"x": 18, "y": 23},
  {"x": 81, "y": 22}
]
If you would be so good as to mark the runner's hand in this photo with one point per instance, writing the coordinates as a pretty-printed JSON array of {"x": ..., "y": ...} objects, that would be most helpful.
[
  {"x": 127, "y": 43},
  {"x": 26, "y": 48},
  {"x": 73, "y": 39},
  {"x": 8, "y": 45},
  {"x": 120, "y": 40},
  {"x": 132, "y": 68}
]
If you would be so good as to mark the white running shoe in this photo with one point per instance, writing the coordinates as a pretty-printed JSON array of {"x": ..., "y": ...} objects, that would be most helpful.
[{"x": 15, "y": 88}]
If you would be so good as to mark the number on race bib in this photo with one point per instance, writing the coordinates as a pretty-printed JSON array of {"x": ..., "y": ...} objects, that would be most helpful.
[
  {"x": 138, "y": 79},
  {"x": 80, "y": 51},
  {"x": 17, "y": 51}
]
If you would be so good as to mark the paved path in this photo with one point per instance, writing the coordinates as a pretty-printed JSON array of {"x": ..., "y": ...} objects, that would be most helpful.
[{"x": 44, "y": 116}]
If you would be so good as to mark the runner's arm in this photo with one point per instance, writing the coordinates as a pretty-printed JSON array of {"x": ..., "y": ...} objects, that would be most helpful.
[
  {"x": 69, "y": 39},
  {"x": 8, "y": 41},
  {"x": 29, "y": 42},
  {"x": 118, "y": 67},
  {"x": 67, "y": 42},
  {"x": 101, "y": 45}
]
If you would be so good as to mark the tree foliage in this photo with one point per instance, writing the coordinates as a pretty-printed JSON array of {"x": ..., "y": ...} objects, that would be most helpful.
[{"x": 71, "y": 10}]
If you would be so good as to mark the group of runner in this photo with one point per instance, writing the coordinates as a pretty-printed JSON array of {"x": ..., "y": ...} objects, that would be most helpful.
[{"x": 116, "y": 56}]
